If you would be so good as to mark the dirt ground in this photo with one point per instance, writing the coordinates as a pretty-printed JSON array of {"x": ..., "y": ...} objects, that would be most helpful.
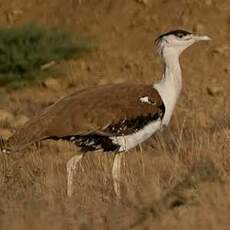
[{"x": 180, "y": 178}]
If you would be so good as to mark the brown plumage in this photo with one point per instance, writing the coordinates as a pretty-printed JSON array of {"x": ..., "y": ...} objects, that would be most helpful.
[{"x": 104, "y": 110}]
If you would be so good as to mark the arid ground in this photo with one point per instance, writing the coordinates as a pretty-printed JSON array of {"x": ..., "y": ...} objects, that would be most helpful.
[{"x": 180, "y": 178}]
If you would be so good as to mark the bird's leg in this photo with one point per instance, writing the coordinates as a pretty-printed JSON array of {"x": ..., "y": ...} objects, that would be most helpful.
[
  {"x": 70, "y": 166},
  {"x": 116, "y": 173}
]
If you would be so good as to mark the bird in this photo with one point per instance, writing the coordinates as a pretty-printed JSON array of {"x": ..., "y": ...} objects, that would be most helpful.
[{"x": 112, "y": 118}]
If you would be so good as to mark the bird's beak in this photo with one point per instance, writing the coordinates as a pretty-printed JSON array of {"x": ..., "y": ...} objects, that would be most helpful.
[{"x": 198, "y": 38}]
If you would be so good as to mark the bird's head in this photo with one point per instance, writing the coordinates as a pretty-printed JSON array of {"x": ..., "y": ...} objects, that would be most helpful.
[{"x": 177, "y": 41}]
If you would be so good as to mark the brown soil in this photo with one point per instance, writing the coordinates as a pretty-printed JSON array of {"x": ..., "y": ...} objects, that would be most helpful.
[{"x": 180, "y": 180}]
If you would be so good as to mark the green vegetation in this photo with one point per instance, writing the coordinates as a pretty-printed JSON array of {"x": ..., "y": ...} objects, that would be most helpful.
[{"x": 29, "y": 50}]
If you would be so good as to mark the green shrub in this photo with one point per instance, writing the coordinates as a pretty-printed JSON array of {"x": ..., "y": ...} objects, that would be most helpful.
[{"x": 25, "y": 50}]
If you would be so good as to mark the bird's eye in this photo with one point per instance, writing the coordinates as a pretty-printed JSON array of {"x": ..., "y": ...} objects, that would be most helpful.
[{"x": 180, "y": 35}]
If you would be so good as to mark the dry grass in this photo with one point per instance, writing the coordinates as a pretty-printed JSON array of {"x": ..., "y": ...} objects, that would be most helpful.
[{"x": 180, "y": 179}]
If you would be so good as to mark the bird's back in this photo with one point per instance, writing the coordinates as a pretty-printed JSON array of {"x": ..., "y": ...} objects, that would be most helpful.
[{"x": 91, "y": 110}]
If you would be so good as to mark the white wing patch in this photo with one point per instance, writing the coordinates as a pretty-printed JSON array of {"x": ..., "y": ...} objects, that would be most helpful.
[{"x": 145, "y": 100}]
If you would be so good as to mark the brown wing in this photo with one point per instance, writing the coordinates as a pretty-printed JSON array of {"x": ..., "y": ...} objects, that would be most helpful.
[{"x": 94, "y": 110}]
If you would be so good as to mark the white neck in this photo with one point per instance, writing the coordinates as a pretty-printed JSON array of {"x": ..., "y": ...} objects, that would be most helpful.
[{"x": 170, "y": 85}]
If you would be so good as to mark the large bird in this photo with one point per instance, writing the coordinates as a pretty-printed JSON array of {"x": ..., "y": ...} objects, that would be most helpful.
[{"x": 111, "y": 118}]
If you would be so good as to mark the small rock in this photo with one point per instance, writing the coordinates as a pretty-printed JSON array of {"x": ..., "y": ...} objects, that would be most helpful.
[
  {"x": 144, "y": 2},
  {"x": 208, "y": 2},
  {"x": 118, "y": 80},
  {"x": 17, "y": 12},
  {"x": 20, "y": 120},
  {"x": 224, "y": 50},
  {"x": 214, "y": 91},
  {"x": 103, "y": 81},
  {"x": 52, "y": 83},
  {"x": 5, "y": 133},
  {"x": 6, "y": 116},
  {"x": 227, "y": 69}
]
